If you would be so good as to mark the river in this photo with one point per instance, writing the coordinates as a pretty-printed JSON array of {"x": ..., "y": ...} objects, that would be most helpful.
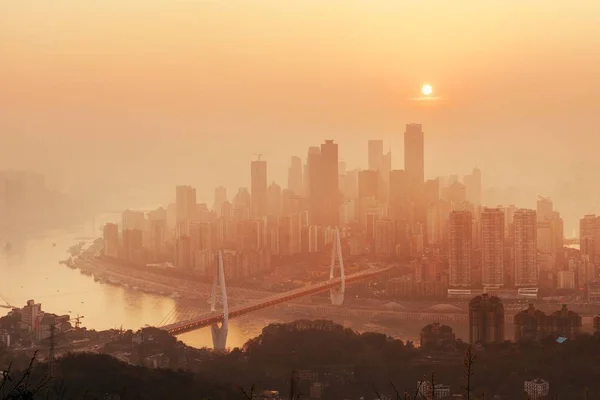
[{"x": 30, "y": 270}]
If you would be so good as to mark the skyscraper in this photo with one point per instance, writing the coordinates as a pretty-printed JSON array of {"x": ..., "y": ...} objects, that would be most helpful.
[
  {"x": 185, "y": 201},
  {"x": 525, "y": 234},
  {"x": 385, "y": 242},
  {"x": 438, "y": 216},
  {"x": 399, "y": 200},
  {"x": 331, "y": 187},
  {"x": 414, "y": 154},
  {"x": 589, "y": 227},
  {"x": 492, "y": 247},
  {"x": 220, "y": 198},
  {"x": 258, "y": 188},
  {"x": 368, "y": 184},
  {"x": 461, "y": 234},
  {"x": 544, "y": 208},
  {"x": 376, "y": 155},
  {"x": 111, "y": 240},
  {"x": 274, "y": 200},
  {"x": 314, "y": 183},
  {"x": 132, "y": 219},
  {"x": 295, "y": 175},
  {"x": 486, "y": 320},
  {"x": 368, "y": 191},
  {"x": 473, "y": 186}
]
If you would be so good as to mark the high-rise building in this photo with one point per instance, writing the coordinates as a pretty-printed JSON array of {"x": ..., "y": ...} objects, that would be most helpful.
[
  {"x": 399, "y": 200},
  {"x": 486, "y": 320},
  {"x": 509, "y": 212},
  {"x": 274, "y": 200},
  {"x": 132, "y": 219},
  {"x": 375, "y": 155},
  {"x": 315, "y": 185},
  {"x": 368, "y": 184},
  {"x": 157, "y": 235},
  {"x": 258, "y": 188},
  {"x": 220, "y": 198},
  {"x": 589, "y": 235},
  {"x": 111, "y": 240},
  {"x": 331, "y": 186},
  {"x": 368, "y": 190},
  {"x": 385, "y": 244},
  {"x": 525, "y": 244},
  {"x": 349, "y": 185},
  {"x": 201, "y": 236},
  {"x": 461, "y": 250},
  {"x": 544, "y": 208},
  {"x": 185, "y": 200},
  {"x": 531, "y": 325},
  {"x": 492, "y": 247},
  {"x": 473, "y": 187},
  {"x": 565, "y": 323},
  {"x": 386, "y": 167},
  {"x": 295, "y": 176},
  {"x": 183, "y": 254},
  {"x": 438, "y": 216},
  {"x": 133, "y": 243},
  {"x": 456, "y": 194},
  {"x": 414, "y": 154}
]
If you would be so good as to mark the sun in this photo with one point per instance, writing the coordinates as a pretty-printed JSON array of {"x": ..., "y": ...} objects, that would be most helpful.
[{"x": 426, "y": 89}]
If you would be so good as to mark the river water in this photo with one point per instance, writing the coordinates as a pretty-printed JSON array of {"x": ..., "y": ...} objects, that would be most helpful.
[{"x": 30, "y": 269}]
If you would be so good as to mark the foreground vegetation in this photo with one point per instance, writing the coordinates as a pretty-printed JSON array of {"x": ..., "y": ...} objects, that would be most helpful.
[{"x": 378, "y": 365}]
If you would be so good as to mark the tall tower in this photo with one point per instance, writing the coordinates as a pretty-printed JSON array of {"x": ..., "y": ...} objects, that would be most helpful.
[
  {"x": 185, "y": 200},
  {"x": 486, "y": 320},
  {"x": 492, "y": 247},
  {"x": 544, "y": 208},
  {"x": 331, "y": 186},
  {"x": 376, "y": 155},
  {"x": 525, "y": 234},
  {"x": 258, "y": 188},
  {"x": 220, "y": 198},
  {"x": 414, "y": 154},
  {"x": 314, "y": 185},
  {"x": 461, "y": 235},
  {"x": 295, "y": 176},
  {"x": 473, "y": 187},
  {"x": 587, "y": 235},
  {"x": 400, "y": 206}
]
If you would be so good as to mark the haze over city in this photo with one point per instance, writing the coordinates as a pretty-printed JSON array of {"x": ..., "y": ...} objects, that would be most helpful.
[
  {"x": 299, "y": 199},
  {"x": 167, "y": 92}
]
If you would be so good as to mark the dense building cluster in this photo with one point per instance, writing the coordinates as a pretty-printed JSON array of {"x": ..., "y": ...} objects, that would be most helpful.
[
  {"x": 487, "y": 320},
  {"x": 532, "y": 324},
  {"x": 32, "y": 325},
  {"x": 384, "y": 214}
]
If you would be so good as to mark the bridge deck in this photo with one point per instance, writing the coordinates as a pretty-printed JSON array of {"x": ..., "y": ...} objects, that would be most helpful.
[{"x": 216, "y": 317}]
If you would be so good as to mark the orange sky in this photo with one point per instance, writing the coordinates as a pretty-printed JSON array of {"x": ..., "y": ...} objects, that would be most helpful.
[{"x": 168, "y": 91}]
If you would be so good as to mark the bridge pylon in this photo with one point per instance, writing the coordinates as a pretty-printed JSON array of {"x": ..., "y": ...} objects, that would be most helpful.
[
  {"x": 219, "y": 333},
  {"x": 337, "y": 294}
]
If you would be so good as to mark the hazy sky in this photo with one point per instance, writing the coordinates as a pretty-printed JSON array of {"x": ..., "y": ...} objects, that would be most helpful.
[{"x": 157, "y": 92}]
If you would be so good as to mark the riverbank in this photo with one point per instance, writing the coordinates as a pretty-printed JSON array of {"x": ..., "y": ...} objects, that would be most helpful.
[{"x": 90, "y": 263}]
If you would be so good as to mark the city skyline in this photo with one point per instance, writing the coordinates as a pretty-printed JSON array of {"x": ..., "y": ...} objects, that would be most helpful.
[
  {"x": 154, "y": 102},
  {"x": 299, "y": 199}
]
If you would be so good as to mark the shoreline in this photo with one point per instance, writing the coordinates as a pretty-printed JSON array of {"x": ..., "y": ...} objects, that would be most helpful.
[{"x": 152, "y": 283}]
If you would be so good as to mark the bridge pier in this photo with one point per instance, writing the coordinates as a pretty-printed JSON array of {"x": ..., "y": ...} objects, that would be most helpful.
[
  {"x": 337, "y": 294},
  {"x": 219, "y": 333}
]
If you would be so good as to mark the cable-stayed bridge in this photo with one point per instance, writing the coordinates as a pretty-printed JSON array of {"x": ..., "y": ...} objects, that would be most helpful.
[{"x": 335, "y": 285}]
